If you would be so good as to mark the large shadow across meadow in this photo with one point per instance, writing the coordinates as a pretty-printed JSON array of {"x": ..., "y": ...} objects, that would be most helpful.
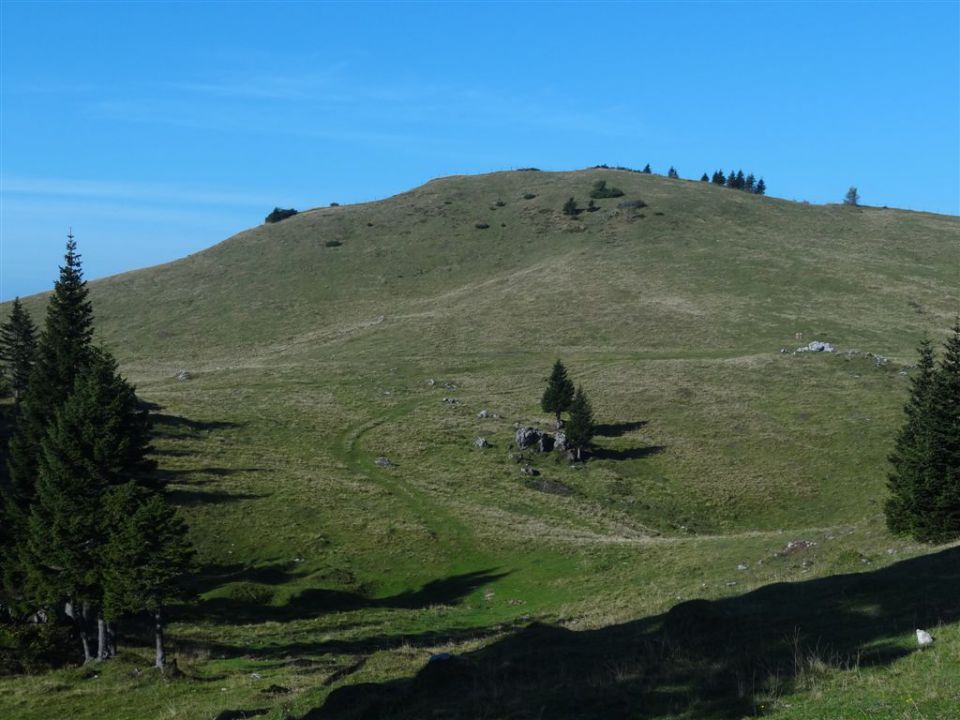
[
  {"x": 311, "y": 602},
  {"x": 701, "y": 659}
]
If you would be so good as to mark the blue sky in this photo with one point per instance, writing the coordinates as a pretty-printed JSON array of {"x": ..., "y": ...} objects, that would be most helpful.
[{"x": 156, "y": 129}]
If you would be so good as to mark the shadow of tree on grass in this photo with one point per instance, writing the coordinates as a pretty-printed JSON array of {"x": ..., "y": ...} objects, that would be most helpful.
[
  {"x": 618, "y": 429},
  {"x": 313, "y": 602},
  {"x": 701, "y": 659}
]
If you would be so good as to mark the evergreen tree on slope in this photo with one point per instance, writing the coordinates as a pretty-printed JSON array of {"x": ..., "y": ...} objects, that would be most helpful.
[
  {"x": 925, "y": 483},
  {"x": 146, "y": 559},
  {"x": 63, "y": 351},
  {"x": 18, "y": 347},
  {"x": 559, "y": 391}
]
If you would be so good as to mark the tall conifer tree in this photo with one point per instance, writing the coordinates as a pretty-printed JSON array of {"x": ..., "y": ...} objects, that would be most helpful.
[
  {"x": 146, "y": 559},
  {"x": 580, "y": 428},
  {"x": 98, "y": 439},
  {"x": 925, "y": 483},
  {"x": 18, "y": 348},
  {"x": 559, "y": 391},
  {"x": 62, "y": 353}
]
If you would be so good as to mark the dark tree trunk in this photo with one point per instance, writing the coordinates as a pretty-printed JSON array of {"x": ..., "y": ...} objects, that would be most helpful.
[
  {"x": 111, "y": 639},
  {"x": 102, "y": 651},
  {"x": 80, "y": 623},
  {"x": 158, "y": 631}
]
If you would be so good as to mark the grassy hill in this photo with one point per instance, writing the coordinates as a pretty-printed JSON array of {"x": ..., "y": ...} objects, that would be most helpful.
[{"x": 657, "y": 582}]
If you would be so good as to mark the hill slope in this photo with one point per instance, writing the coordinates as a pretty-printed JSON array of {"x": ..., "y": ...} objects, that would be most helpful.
[{"x": 310, "y": 360}]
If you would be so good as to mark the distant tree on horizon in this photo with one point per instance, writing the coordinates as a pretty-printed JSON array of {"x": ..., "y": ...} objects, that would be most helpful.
[
  {"x": 719, "y": 178},
  {"x": 761, "y": 188},
  {"x": 646, "y": 169},
  {"x": 672, "y": 173},
  {"x": 852, "y": 197},
  {"x": 704, "y": 178}
]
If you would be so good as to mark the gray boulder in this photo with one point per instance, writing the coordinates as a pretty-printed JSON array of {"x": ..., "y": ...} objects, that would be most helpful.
[
  {"x": 528, "y": 437},
  {"x": 481, "y": 443},
  {"x": 817, "y": 346}
]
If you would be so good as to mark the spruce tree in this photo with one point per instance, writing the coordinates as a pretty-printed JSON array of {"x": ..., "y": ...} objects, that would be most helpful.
[
  {"x": 910, "y": 457},
  {"x": 852, "y": 197},
  {"x": 99, "y": 439},
  {"x": 570, "y": 208},
  {"x": 62, "y": 352},
  {"x": 719, "y": 178},
  {"x": 646, "y": 169},
  {"x": 750, "y": 183},
  {"x": 732, "y": 179},
  {"x": 672, "y": 173},
  {"x": 18, "y": 347},
  {"x": 704, "y": 178},
  {"x": 559, "y": 391},
  {"x": 761, "y": 187},
  {"x": 146, "y": 559},
  {"x": 925, "y": 483},
  {"x": 580, "y": 428},
  {"x": 740, "y": 182}
]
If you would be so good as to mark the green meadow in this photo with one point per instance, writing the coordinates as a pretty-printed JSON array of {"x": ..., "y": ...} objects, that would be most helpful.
[{"x": 722, "y": 554}]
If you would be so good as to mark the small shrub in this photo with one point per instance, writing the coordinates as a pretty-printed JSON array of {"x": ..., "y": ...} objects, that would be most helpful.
[
  {"x": 529, "y": 169},
  {"x": 570, "y": 208},
  {"x": 36, "y": 647},
  {"x": 334, "y": 204},
  {"x": 499, "y": 203},
  {"x": 600, "y": 190},
  {"x": 529, "y": 196},
  {"x": 481, "y": 226},
  {"x": 279, "y": 214},
  {"x": 333, "y": 243},
  {"x": 631, "y": 204},
  {"x": 658, "y": 213},
  {"x": 592, "y": 206}
]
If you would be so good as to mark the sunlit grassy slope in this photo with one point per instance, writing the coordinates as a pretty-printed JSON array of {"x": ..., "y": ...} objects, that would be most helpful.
[{"x": 324, "y": 572}]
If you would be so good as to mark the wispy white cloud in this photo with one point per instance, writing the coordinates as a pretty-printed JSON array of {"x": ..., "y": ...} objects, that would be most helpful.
[
  {"x": 121, "y": 190},
  {"x": 331, "y": 106},
  {"x": 114, "y": 212}
]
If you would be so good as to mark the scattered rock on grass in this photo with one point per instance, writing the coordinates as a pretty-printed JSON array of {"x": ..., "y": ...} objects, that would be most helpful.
[
  {"x": 529, "y": 471},
  {"x": 483, "y": 414},
  {"x": 383, "y": 462},
  {"x": 481, "y": 443},
  {"x": 527, "y": 437},
  {"x": 183, "y": 375},
  {"x": 795, "y": 546},
  {"x": 816, "y": 346}
]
